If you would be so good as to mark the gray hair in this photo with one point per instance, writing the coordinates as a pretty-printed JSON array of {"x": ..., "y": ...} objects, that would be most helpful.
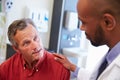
[{"x": 18, "y": 25}]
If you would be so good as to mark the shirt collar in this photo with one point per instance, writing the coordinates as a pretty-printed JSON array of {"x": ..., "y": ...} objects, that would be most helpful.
[{"x": 113, "y": 53}]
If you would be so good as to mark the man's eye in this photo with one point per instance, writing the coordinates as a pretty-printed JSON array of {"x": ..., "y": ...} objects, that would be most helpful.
[
  {"x": 26, "y": 43},
  {"x": 36, "y": 39}
]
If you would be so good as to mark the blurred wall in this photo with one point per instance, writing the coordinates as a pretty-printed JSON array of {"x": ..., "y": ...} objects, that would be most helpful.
[{"x": 17, "y": 11}]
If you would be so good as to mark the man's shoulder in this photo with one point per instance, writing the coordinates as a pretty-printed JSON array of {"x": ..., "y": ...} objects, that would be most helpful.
[
  {"x": 113, "y": 70},
  {"x": 56, "y": 66},
  {"x": 50, "y": 59},
  {"x": 117, "y": 60},
  {"x": 11, "y": 60}
]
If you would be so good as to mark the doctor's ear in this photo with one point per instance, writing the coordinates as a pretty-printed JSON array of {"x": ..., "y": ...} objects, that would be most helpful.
[{"x": 109, "y": 21}]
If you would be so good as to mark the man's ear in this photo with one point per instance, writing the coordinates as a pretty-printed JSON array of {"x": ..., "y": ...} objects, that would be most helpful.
[
  {"x": 15, "y": 48},
  {"x": 109, "y": 21}
]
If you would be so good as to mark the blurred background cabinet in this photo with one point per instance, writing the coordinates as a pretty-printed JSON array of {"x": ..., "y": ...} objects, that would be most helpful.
[
  {"x": 60, "y": 36},
  {"x": 2, "y": 36}
]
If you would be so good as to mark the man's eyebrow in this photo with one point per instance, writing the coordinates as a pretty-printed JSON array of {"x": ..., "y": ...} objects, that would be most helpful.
[{"x": 24, "y": 41}]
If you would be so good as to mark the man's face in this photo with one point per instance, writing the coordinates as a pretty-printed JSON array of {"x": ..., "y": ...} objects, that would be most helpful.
[
  {"x": 90, "y": 23},
  {"x": 29, "y": 44}
]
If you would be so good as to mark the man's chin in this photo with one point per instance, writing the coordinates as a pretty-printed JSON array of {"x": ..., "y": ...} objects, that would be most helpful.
[
  {"x": 36, "y": 59},
  {"x": 36, "y": 56}
]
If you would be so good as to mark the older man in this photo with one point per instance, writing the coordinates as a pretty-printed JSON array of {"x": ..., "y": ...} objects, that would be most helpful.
[{"x": 31, "y": 61}]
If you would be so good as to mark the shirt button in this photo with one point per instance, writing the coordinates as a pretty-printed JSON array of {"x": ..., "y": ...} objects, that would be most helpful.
[
  {"x": 24, "y": 68},
  {"x": 36, "y": 70}
]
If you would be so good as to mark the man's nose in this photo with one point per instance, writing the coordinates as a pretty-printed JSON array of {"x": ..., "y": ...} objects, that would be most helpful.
[{"x": 35, "y": 46}]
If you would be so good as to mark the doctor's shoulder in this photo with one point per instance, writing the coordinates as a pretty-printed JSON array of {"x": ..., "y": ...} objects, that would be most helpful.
[{"x": 113, "y": 71}]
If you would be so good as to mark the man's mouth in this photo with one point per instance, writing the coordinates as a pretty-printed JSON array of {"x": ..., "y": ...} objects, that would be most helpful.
[{"x": 38, "y": 51}]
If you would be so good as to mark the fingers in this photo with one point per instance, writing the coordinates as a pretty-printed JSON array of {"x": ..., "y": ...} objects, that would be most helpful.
[
  {"x": 59, "y": 60},
  {"x": 59, "y": 56},
  {"x": 64, "y": 61}
]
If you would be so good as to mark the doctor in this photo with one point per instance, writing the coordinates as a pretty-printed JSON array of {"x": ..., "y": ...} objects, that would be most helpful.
[{"x": 101, "y": 23}]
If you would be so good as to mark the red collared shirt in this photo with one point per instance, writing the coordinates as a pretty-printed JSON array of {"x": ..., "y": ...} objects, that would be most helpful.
[{"x": 46, "y": 69}]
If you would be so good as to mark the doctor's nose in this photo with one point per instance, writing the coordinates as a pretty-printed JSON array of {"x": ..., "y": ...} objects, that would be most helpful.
[{"x": 82, "y": 27}]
